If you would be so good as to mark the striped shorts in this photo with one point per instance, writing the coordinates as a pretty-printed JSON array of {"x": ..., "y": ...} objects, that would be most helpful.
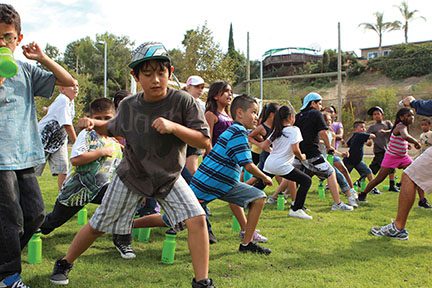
[{"x": 116, "y": 212}]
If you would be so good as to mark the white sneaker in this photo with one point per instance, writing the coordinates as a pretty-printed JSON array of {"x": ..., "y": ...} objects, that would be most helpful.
[
  {"x": 300, "y": 213},
  {"x": 341, "y": 206},
  {"x": 270, "y": 200},
  {"x": 354, "y": 193},
  {"x": 352, "y": 201}
]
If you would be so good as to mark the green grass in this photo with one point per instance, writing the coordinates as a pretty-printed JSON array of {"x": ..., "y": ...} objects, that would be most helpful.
[{"x": 335, "y": 249}]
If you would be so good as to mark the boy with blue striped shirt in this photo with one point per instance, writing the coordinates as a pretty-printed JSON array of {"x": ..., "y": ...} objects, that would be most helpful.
[{"x": 218, "y": 176}]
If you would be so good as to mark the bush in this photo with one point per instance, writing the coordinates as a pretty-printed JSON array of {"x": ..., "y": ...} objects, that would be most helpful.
[
  {"x": 386, "y": 98},
  {"x": 405, "y": 60}
]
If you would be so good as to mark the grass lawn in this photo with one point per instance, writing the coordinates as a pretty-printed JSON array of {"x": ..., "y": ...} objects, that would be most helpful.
[{"x": 335, "y": 249}]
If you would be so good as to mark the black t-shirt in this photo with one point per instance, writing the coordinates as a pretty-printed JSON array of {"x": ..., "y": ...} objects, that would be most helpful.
[
  {"x": 310, "y": 122},
  {"x": 355, "y": 144}
]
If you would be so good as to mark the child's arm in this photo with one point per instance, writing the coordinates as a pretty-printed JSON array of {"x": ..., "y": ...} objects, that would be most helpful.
[
  {"x": 71, "y": 132},
  {"x": 32, "y": 51},
  {"x": 323, "y": 135},
  {"x": 189, "y": 136},
  {"x": 211, "y": 119},
  {"x": 256, "y": 133},
  {"x": 91, "y": 156},
  {"x": 297, "y": 152},
  {"x": 369, "y": 142},
  {"x": 100, "y": 126},
  {"x": 257, "y": 173},
  {"x": 403, "y": 131}
]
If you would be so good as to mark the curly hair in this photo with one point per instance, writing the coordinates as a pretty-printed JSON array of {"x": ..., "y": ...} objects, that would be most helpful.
[{"x": 9, "y": 15}]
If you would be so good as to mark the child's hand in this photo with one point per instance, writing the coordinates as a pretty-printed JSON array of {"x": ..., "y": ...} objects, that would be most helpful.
[
  {"x": 268, "y": 181},
  {"x": 417, "y": 146},
  {"x": 345, "y": 154},
  {"x": 303, "y": 157},
  {"x": 2, "y": 81},
  {"x": 164, "y": 126},
  {"x": 107, "y": 151},
  {"x": 32, "y": 51},
  {"x": 372, "y": 136},
  {"x": 86, "y": 123}
]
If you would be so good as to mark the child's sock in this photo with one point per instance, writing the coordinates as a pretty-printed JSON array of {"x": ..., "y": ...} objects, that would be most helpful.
[{"x": 392, "y": 183}]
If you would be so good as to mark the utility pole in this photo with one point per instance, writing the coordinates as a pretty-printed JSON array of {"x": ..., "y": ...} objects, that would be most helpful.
[
  {"x": 247, "y": 66},
  {"x": 339, "y": 76}
]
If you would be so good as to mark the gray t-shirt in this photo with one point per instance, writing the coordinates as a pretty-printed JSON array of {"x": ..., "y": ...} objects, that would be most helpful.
[
  {"x": 152, "y": 162},
  {"x": 381, "y": 140}
]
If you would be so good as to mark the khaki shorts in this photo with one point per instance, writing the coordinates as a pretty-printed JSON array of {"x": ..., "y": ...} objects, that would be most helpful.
[
  {"x": 420, "y": 171},
  {"x": 58, "y": 162}
]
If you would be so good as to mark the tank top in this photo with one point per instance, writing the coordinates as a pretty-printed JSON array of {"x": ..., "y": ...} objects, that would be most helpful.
[
  {"x": 397, "y": 146},
  {"x": 224, "y": 121}
]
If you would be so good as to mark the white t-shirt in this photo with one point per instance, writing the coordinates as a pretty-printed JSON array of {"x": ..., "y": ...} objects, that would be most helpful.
[
  {"x": 279, "y": 162},
  {"x": 61, "y": 110}
]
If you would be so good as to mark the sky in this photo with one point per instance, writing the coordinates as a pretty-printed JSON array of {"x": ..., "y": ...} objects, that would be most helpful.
[{"x": 271, "y": 24}]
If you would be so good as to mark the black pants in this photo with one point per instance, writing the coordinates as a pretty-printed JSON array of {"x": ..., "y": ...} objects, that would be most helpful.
[
  {"x": 61, "y": 214},
  {"x": 303, "y": 180},
  {"x": 21, "y": 213}
]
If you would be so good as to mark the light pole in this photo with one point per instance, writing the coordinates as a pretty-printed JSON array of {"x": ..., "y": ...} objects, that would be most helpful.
[{"x": 105, "y": 66}]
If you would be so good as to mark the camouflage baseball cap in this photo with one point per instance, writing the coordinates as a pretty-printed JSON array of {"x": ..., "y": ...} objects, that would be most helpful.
[{"x": 149, "y": 51}]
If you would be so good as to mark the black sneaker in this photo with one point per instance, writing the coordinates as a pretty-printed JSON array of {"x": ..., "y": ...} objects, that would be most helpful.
[
  {"x": 13, "y": 281},
  {"x": 254, "y": 248},
  {"x": 362, "y": 197},
  {"x": 203, "y": 283},
  {"x": 126, "y": 251},
  {"x": 212, "y": 238},
  {"x": 393, "y": 189},
  {"x": 424, "y": 204},
  {"x": 60, "y": 272}
]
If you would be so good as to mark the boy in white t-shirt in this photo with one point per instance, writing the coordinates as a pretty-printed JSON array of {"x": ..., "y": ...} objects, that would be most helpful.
[
  {"x": 426, "y": 135},
  {"x": 285, "y": 140},
  {"x": 54, "y": 129}
]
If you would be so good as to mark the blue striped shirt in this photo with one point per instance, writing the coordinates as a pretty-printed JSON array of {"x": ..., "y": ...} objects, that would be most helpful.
[{"x": 220, "y": 170}]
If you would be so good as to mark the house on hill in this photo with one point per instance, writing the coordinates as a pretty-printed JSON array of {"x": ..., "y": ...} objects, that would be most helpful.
[
  {"x": 277, "y": 59},
  {"x": 373, "y": 52}
]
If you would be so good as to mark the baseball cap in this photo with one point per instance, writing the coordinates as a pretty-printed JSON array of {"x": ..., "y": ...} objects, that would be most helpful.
[
  {"x": 313, "y": 96},
  {"x": 373, "y": 109},
  {"x": 149, "y": 51},
  {"x": 194, "y": 80}
]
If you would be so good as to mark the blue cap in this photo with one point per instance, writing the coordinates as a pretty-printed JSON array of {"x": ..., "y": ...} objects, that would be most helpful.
[{"x": 310, "y": 97}]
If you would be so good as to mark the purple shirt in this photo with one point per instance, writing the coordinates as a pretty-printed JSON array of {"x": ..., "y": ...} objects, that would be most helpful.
[
  {"x": 336, "y": 126},
  {"x": 224, "y": 121}
]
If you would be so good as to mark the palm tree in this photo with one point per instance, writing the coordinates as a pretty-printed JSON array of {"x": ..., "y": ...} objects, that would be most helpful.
[
  {"x": 407, "y": 16},
  {"x": 380, "y": 27}
]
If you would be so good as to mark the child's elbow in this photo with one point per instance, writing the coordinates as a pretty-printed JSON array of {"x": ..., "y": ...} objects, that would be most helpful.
[{"x": 205, "y": 143}]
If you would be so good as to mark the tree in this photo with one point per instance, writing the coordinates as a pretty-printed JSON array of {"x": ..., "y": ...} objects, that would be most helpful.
[
  {"x": 380, "y": 27},
  {"x": 407, "y": 17},
  {"x": 201, "y": 56},
  {"x": 86, "y": 57}
]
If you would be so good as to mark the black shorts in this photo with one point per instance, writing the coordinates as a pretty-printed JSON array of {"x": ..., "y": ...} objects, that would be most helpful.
[
  {"x": 193, "y": 151},
  {"x": 375, "y": 165}
]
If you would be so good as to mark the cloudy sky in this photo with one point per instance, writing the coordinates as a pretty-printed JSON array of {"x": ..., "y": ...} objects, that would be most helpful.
[{"x": 271, "y": 24}]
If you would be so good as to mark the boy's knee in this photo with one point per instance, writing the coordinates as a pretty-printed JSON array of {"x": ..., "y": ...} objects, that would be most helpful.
[
  {"x": 93, "y": 231},
  {"x": 198, "y": 222}
]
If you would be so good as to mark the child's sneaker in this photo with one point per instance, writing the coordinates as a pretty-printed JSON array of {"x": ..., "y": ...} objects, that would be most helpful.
[
  {"x": 352, "y": 201},
  {"x": 362, "y": 197},
  {"x": 424, "y": 204},
  {"x": 354, "y": 193},
  {"x": 393, "y": 189},
  {"x": 13, "y": 281},
  {"x": 300, "y": 213},
  {"x": 270, "y": 200},
  {"x": 342, "y": 207},
  {"x": 126, "y": 251},
  {"x": 391, "y": 231},
  {"x": 254, "y": 248},
  {"x": 256, "y": 237},
  {"x": 375, "y": 191},
  {"x": 60, "y": 272},
  {"x": 205, "y": 283}
]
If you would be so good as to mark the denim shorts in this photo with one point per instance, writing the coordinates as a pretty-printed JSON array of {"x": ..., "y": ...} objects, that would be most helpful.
[{"x": 242, "y": 195}]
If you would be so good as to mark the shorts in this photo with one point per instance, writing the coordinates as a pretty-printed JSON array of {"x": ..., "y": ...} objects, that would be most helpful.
[
  {"x": 58, "y": 162},
  {"x": 420, "y": 172},
  {"x": 193, "y": 151},
  {"x": 242, "y": 195},
  {"x": 392, "y": 161},
  {"x": 315, "y": 166},
  {"x": 361, "y": 168},
  {"x": 375, "y": 165},
  {"x": 115, "y": 214}
]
